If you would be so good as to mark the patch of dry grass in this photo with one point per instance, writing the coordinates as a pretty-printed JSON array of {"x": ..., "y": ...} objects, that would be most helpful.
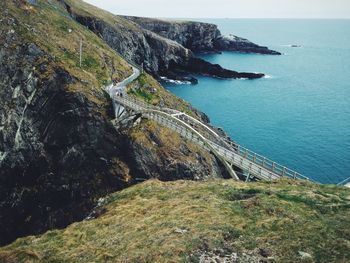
[
  {"x": 142, "y": 224},
  {"x": 49, "y": 26},
  {"x": 166, "y": 142},
  {"x": 82, "y": 8},
  {"x": 149, "y": 90}
]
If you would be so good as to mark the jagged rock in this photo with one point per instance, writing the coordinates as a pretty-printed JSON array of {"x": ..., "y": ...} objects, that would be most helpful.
[
  {"x": 199, "y": 37},
  {"x": 304, "y": 255},
  {"x": 160, "y": 54},
  {"x": 180, "y": 231},
  {"x": 51, "y": 142},
  {"x": 200, "y": 66},
  {"x": 59, "y": 151},
  {"x": 265, "y": 252},
  {"x": 234, "y": 43},
  {"x": 218, "y": 256}
]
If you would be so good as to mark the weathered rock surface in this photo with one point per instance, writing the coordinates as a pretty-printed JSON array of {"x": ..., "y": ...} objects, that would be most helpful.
[
  {"x": 161, "y": 54},
  {"x": 151, "y": 155},
  {"x": 59, "y": 152},
  {"x": 54, "y": 146},
  {"x": 199, "y": 37},
  {"x": 238, "y": 44}
]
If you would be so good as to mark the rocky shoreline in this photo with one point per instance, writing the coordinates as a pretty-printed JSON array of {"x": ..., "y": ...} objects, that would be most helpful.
[
  {"x": 200, "y": 37},
  {"x": 168, "y": 48}
]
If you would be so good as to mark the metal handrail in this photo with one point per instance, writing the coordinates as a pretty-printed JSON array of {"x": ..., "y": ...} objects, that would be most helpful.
[
  {"x": 344, "y": 181},
  {"x": 236, "y": 148}
]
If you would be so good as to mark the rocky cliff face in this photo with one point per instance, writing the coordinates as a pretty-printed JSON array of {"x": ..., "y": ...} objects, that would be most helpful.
[
  {"x": 238, "y": 44},
  {"x": 199, "y": 37},
  {"x": 55, "y": 144},
  {"x": 158, "y": 53},
  {"x": 59, "y": 151}
]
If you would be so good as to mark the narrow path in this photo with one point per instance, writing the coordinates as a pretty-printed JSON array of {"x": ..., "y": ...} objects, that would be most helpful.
[{"x": 120, "y": 88}]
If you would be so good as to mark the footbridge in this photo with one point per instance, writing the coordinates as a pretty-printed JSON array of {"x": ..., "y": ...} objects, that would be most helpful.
[{"x": 229, "y": 153}]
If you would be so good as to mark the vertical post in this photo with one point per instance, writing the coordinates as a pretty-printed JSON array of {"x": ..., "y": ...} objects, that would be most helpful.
[
  {"x": 80, "y": 51},
  {"x": 284, "y": 171},
  {"x": 248, "y": 176},
  {"x": 273, "y": 167}
]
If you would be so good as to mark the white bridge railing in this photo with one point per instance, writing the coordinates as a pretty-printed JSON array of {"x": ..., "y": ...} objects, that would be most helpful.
[
  {"x": 191, "y": 128},
  {"x": 346, "y": 181}
]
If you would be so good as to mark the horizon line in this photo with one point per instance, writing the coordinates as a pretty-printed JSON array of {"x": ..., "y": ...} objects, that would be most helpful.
[{"x": 277, "y": 18}]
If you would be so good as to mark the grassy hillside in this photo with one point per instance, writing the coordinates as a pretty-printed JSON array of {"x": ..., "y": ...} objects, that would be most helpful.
[
  {"x": 59, "y": 150},
  {"x": 146, "y": 88},
  {"x": 284, "y": 221},
  {"x": 82, "y": 8},
  {"x": 49, "y": 26}
]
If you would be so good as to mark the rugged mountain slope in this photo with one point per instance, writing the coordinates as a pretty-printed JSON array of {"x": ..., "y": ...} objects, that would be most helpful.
[
  {"x": 159, "y": 56},
  {"x": 59, "y": 151},
  {"x": 216, "y": 221},
  {"x": 199, "y": 37}
]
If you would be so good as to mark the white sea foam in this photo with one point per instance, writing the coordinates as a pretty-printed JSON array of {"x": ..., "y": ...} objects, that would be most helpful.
[
  {"x": 177, "y": 82},
  {"x": 292, "y": 45},
  {"x": 267, "y": 77}
]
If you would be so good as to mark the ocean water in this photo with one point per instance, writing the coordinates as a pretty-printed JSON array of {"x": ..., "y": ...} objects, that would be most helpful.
[{"x": 298, "y": 116}]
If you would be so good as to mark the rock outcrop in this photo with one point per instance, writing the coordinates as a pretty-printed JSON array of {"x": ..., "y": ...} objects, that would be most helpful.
[
  {"x": 238, "y": 44},
  {"x": 199, "y": 37},
  {"x": 196, "y": 36},
  {"x": 160, "y": 54},
  {"x": 59, "y": 152},
  {"x": 55, "y": 144}
]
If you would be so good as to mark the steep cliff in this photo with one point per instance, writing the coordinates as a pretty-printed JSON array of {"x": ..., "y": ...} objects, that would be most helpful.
[
  {"x": 160, "y": 56},
  {"x": 59, "y": 151},
  {"x": 199, "y": 37}
]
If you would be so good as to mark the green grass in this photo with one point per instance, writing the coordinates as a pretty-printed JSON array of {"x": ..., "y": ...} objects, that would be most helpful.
[
  {"x": 59, "y": 35},
  {"x": 141, "y": 92},
  {"x": 143, "y": 95},
  {"x": 140, "y": 225},
  {"x": 149, "y": 90}
]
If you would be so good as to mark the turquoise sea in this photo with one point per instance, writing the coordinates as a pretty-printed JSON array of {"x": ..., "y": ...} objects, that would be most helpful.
[{"x": 300, "y": 115}]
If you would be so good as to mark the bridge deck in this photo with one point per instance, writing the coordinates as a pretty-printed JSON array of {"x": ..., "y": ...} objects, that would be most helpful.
[{"x": 194, "y": 130}]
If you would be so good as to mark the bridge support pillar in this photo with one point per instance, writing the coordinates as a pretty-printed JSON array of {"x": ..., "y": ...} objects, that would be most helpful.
[
  {"x": 248, "y": 177},
  {"x": 230, "y": 170}
]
